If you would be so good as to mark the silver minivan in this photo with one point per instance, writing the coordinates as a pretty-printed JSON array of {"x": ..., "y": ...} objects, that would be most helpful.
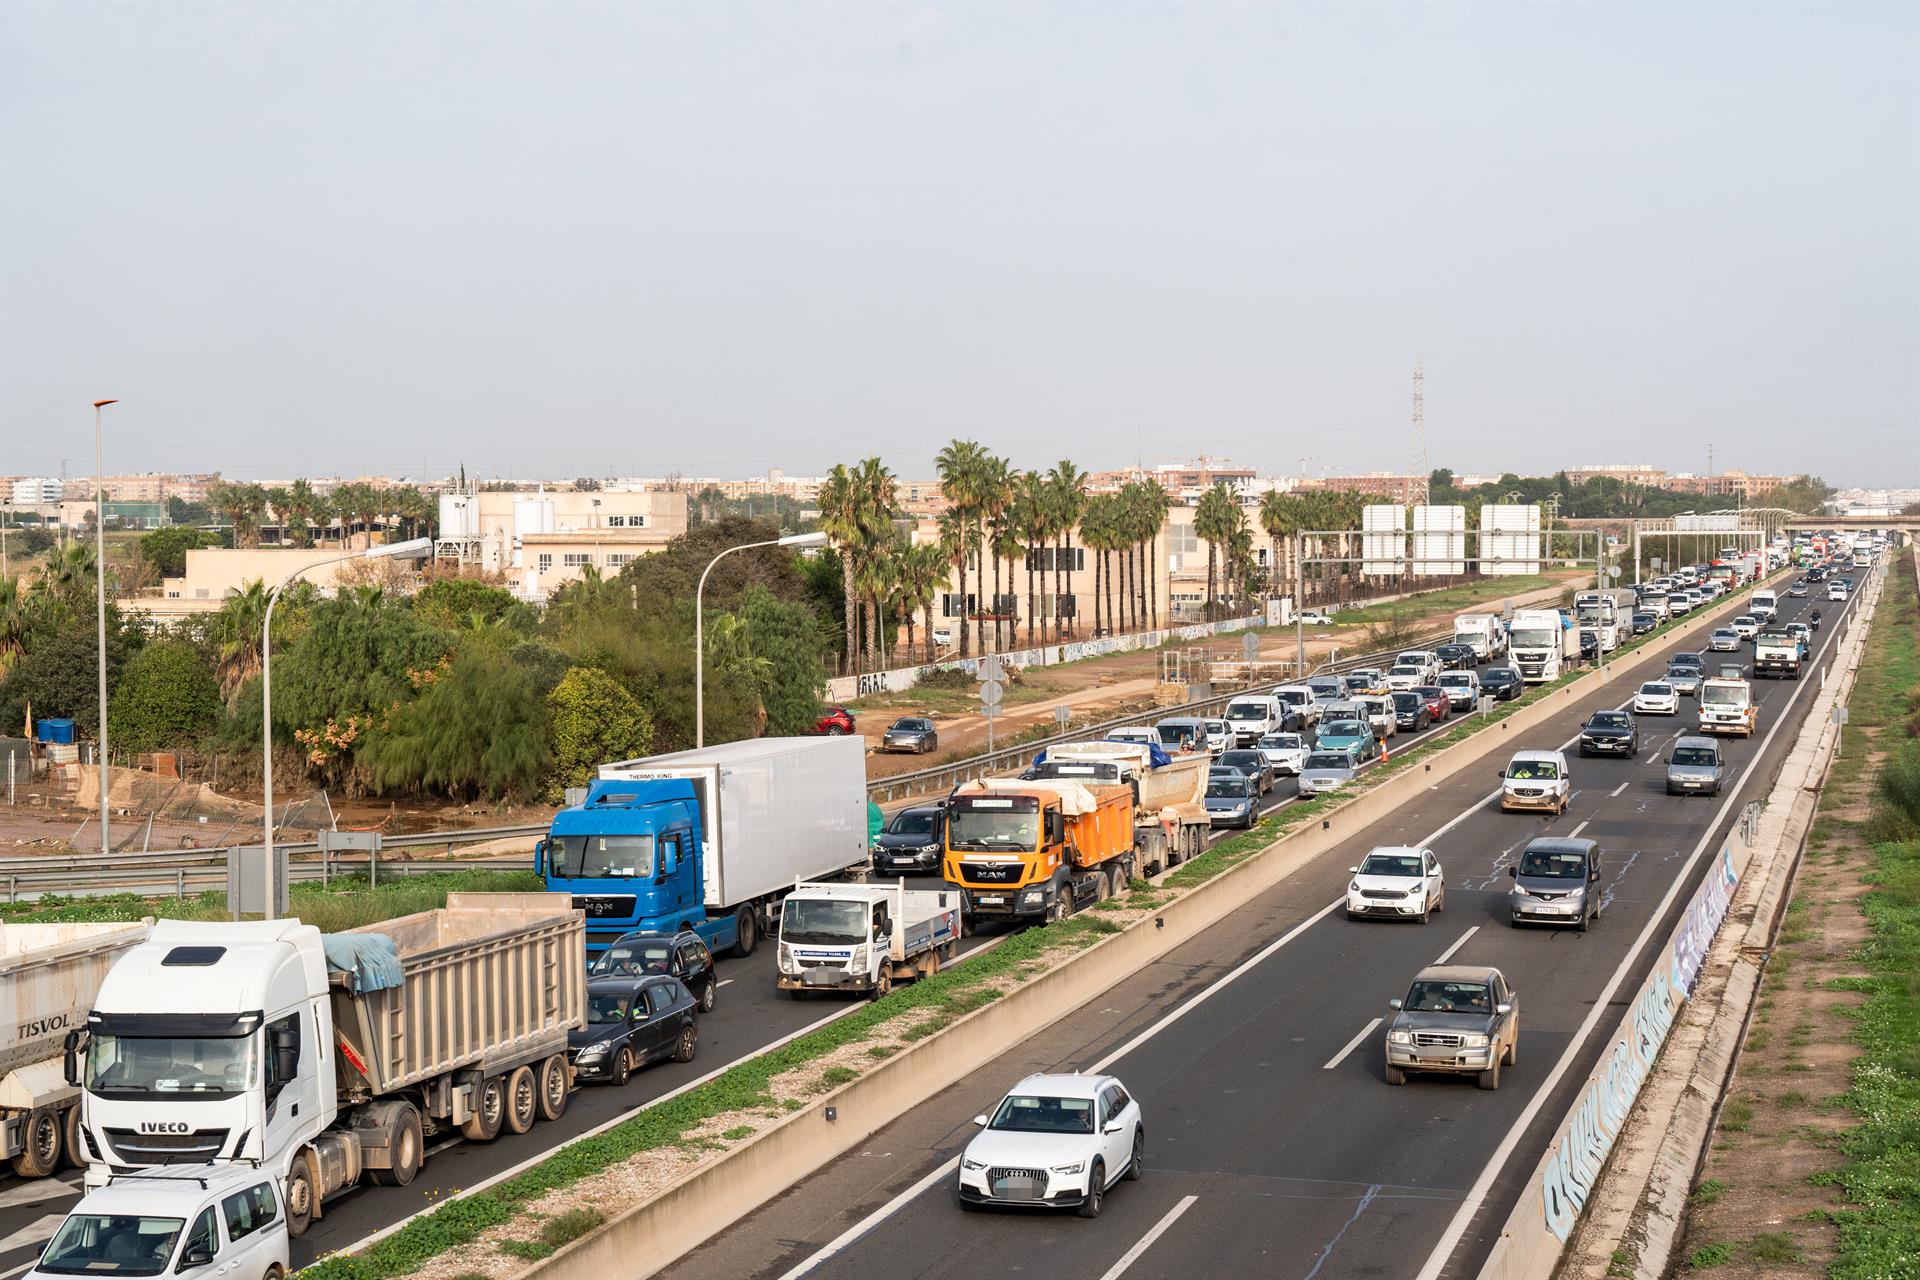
[
  {"x": 184, "y": 1223},
  {"x": 1696, "y": 766},
  {"x": 1556, "y": 882}
]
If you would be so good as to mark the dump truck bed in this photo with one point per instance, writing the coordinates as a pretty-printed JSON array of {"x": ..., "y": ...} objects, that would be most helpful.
[{"x": 49, "y": 975}]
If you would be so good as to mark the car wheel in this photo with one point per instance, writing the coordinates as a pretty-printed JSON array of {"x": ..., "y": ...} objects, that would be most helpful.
[
  {"x": 689, "y": 1042},
  {"x": 1586, "y": 921},
  {"x": 1395, "y": 1076},
  {"x": 1488, "y": 1079},
  {"x": 1137, "y": 1167},
  {"x": 623, "y": 1066},
  {"x": 710, "y": 996},
  {"x": 1513, "y": 1048},
  {"x": 1426, "y": 913},
  {"x": 835, "y": 731},
  {"x": 1096, "y": 1191}
]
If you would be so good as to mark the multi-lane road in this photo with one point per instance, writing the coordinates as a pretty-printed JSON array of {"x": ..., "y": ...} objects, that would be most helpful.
[
  {"x": 1253, "y": 1103},
  {"x": 1275, "y": 1146}
]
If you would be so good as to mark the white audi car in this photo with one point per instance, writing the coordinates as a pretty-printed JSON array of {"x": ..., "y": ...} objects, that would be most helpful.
[
  {"x": 1656, "y": 698},
  {"x": 1055, "y": 1141}
]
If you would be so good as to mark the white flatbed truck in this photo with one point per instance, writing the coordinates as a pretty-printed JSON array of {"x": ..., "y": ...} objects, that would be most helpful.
[{"x": 836, "y": 936}]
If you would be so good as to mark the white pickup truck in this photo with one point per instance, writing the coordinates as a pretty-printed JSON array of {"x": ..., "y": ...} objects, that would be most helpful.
[{"x": 836, "y": 936}]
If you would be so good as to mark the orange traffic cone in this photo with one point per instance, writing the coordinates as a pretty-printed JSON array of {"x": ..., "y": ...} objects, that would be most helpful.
[{"x": 1383, "y": 751}]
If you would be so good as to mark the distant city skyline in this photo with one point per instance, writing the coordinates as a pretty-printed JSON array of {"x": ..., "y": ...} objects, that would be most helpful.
[{"x": 712, "y": 239}]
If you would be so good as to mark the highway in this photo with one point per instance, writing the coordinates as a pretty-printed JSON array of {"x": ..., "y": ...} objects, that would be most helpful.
[
  {"x": 1275, "y": 1146},
  {"x": 753, "y": 1016}
]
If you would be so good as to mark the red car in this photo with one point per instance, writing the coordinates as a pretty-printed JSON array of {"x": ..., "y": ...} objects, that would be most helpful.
[
  {"x": 1439, "y": 705},
  {"x": 835, "y": 720}
]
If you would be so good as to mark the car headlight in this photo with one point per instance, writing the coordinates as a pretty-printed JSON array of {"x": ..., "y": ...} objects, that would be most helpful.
[
  {"x": 1400, "y": 1037},
  {"x": 1473, "y": 1041},
  {"x": 593, "y": 1053},
  {"x": 1353, "y": 886},
  {"x": 1075, "y": 1167},
  {"x": 971, "y": 1165}
]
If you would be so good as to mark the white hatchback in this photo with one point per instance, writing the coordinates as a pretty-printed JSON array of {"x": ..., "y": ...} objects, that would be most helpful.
[
  {"x": 1656, "y": 698},
  {"x": 1399, "y": 882},
  {"x": 1055, "y": 1141}
]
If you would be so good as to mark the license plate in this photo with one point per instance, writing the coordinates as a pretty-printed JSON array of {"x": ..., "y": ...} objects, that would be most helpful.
[{"x": 990, "y": 900}]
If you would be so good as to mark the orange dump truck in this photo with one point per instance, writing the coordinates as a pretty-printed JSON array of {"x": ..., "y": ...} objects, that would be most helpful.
[{"x": 1039, "y": 849}]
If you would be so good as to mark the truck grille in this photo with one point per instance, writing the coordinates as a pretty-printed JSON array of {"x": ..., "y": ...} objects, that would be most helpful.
[
  {"x": 605, "y": 906},
  {"x": 990, "y": 872},
  {"x": 1018, "y": 1184},
  {"x": 198, "y": 1147},
  {"x": 1437, "y": 1039}
]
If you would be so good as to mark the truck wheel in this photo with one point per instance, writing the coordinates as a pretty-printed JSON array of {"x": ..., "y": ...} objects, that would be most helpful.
[
  {"x": 746, "y": 927},
  {"x": 1102, "y": 886},
  {"x": 554, "y": 1087},
  {"x": 523, "y": 1101},
  {"x": 1395, "y": 1076},
  {"x": 1058, "y": 911},
  {"x": 76, "y": 1144},
  {"x": 1490, "y": 1078},
  {"x": 42, "y": 1141},
  {"x": 688, "y": 1044},
  {"x": 489, "y": 1111},
  {"x": 301, "y": 1197},
  {"x": 406, "y": 1148},
  {"x": 883, "y": 984}
]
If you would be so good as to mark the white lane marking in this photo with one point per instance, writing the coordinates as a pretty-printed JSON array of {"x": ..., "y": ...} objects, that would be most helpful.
[
  {"x": 1132, "y": 1255},
  {"x": 1476, "y": 1196},
  {"x": 1582, "y": 827},
  {"x": 34, "y": 1190},
  {"x": 726, "y": 982},
  {"x": 1615, "y": 793},
  {"x": 40, "y": 1229},
  {"x": 1458, "y": 943},
  {"x": 946, "y": 1169},
  {"x": 1352, "y": 1044},
  {"x": 547, "y": 1152}
]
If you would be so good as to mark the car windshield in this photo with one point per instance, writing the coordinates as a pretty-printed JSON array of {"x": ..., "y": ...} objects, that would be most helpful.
[
  {"x": 912, "y": 726},
  {"x": 911, "y": 822},
  {"x": 1226, "y": 788},
  {"x": 1244, "y": 759},
  {"x": 1406, "y": 702},
  {"x": 1609, "y": 720},
  {"x": 1172, "y": 735},
  {"x": 1281, "y": 741},
  {"x": 1724, "y": 634},
  {"x": 1449, "y": 997},
  {"x": 1533, "y": 771},
  {"x": 1029, "y": 1113},
  {"x": 99, "y": 1244},
  {"x": 1405, "y": 669},
  {"x": 1344, "y": 729},
  {"x": 1694, "y": 660},
  {"x": 607, "y": 1006},
  {"x": 652, "y": 955},
  {"x": 1455, "y": 680},
  {"x": 1329, "y": 687},
  {"x": 1339, "y": 760},
  {"x": 1249, "y": 711},
  {"x": 601, "y": 857},
  {"x": 1391, "y": 864},
  {"x": 1656, "y": 690},
  {"x": 1554, "y": 864},
  {"x": 1694, "y": 756},
  {"x": 196, "y": 1066},
  {"x": 819, "y": 920}
]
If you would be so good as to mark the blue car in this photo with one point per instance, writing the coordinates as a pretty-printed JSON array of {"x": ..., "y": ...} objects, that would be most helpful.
[{"x": 1355, "y": 737}]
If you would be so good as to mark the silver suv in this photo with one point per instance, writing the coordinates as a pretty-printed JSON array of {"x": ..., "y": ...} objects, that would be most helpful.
[{"x": 1456, "y": 1019}]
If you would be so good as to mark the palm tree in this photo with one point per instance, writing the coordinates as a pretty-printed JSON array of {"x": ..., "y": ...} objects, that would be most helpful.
[
  {"x": 302, "y": 503},
  {"x": 14, "y": 622},
  {"x": 960, "y": 466},
  {"x": 1068, "y": 484},
  {"x": 368, "y": 504},
  {"x": 840, "y": 520},
  {"x": 1213, "y": 519},
  {"x": 1279, "y": 516},
  {"x": 237, "y": 628},
  {"x": 875, "y": 581},
  {"x": 1032, "y": 520},
  {"x": 924, "y": 574},
  {"x": 995, "y": 494},
  {"x": 1008, "y": 544},
  {"x": 277, "y": 501},
  {"x": 1155, "y": 502}
]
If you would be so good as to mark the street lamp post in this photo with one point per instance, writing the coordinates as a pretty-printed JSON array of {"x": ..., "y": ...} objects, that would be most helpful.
[
  {"x": 412, "y": 549},
  {"x": 801, "y": 541},
  {"x": 100, "y": 605}
]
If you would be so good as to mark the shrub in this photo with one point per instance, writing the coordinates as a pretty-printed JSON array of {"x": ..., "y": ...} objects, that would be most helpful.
[
  {"x": 592, "y": 719},
  {"x": 168, "y": 695}
]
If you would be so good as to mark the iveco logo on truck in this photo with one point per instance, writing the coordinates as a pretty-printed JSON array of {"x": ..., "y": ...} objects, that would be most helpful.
[{"x": 165, "y": 1126}]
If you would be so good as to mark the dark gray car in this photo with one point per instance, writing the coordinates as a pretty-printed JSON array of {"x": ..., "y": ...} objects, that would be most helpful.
[
  {"x": 1557, "y": 881},
  {"x": 1696, "y": 765},
  {"x": 910, "y": 841},
  {"x": 1231, "y": 800},
  {"x": 1456, "y": 1019},
  {"x": 1251, "y": 763}
]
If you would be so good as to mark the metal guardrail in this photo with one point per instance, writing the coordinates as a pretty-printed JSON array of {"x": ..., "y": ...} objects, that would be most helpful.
[
  {"x": 943, "y": 778},
  {"x": 184, "y": 880}
]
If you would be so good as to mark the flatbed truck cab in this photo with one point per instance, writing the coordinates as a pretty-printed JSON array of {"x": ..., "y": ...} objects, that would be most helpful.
[{"x": 1039, "y": 849}]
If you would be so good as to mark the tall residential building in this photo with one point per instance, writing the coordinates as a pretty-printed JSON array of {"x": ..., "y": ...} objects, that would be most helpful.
[{"x": 37, "y": 491}]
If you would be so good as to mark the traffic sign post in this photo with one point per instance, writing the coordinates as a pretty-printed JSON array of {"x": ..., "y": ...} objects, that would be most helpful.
[{"x": 992, "y": 692}]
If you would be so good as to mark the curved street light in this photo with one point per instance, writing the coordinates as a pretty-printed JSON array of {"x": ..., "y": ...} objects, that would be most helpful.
[{"x": 800, "y": 541}]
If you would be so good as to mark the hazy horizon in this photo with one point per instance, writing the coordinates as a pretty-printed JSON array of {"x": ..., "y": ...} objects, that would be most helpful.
[{"x": 709, "y": 240}]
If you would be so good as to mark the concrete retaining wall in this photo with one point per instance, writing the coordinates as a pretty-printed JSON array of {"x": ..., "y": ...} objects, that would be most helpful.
[{"x": 653, "y": 1234}]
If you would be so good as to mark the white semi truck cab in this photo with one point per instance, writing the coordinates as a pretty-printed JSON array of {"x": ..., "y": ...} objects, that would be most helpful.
[{"x": 1541, "y": 644}]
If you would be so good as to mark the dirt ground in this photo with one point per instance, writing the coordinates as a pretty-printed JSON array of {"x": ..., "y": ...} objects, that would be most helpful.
[{"x": 1755, "y": 1214}]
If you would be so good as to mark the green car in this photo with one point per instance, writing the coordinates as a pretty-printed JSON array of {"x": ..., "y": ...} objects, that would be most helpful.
[{"x": 1352, "y": 736}]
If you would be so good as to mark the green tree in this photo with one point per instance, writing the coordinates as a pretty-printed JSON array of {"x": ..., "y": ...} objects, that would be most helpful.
[
  {"x": 1216, "y": 518},
  {"x": 1068, "y": 485},
  {"x": 591, "y": 720},
  {"x": 180, "y": 511},
  {"x": 447, "y": 602},
  {"x": 478, "y": 728},
  {"x": 57, "y": 672},
  {"x": 167, "y": 696},
  {"x": 786, "y": 637},
  {"x": 166, "y": 549},
  {"x": 962, "y": 466}
]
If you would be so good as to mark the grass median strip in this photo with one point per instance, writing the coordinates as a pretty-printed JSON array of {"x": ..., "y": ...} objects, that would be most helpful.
[{"x": 744, "y": 1099}]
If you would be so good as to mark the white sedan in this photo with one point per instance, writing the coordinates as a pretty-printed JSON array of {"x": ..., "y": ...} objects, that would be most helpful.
[
  {"x": 1837, "y": 591},
  {"x": 1315, "y": 618},
  {"x": 1397, "y": 881},
  {"x": 1286, "y": 752},
  {"x": 1404, "y": 676},
  {"x": 1055, "y": 1141},
  {"x": 1656, "y": 698},
  {"x": 1746, "y": 626}
]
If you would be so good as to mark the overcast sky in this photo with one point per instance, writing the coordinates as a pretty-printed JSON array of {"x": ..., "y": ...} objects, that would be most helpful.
[{"x": 710, "y": 239}]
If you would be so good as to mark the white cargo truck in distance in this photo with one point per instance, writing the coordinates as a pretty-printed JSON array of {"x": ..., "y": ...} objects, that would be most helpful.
[
  {"x": 325, "y": 1059},
  {"x": 1483, "y": 633},
  {"x": 864, "y": 937},
  {"x": 1608, "y": 612},
  {"x": 49, "y": 975}
]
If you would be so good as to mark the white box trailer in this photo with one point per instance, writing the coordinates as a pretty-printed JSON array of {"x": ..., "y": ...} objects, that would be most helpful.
[
  {"x": 49, "y": 975},
  {"x": 773, "y": 811},
  {"x": 837, "y": 936}
]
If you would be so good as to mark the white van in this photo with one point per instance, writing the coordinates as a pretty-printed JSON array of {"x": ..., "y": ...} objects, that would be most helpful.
[
  {"x": 1300, "y": 701},
  {"x": 1252, "y": 716},
  {"x": 1536, "y": 780},
  {"x": 193, "y": 1222},
  {"x": 1764, "y": 604}
]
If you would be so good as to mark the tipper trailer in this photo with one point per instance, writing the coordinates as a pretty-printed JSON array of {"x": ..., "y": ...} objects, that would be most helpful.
[
  {"x": 329, "y": 1058},
  {"x": 1169, "y": 793}
]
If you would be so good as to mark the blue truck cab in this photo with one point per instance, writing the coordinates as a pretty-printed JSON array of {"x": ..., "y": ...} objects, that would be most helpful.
[{"x": 630, "y": 856}]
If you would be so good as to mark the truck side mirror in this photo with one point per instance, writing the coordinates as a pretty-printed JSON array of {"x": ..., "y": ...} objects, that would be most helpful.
[
  {"x": 1503, "y": 1009},
  {"x": 540, "y": 857},
  {"x": 71, "y": 1059},
  {"x": 1594, "y": 874},
  {"x": 1395, "y": 1003},
  {"x": 286, "y": 1054}
]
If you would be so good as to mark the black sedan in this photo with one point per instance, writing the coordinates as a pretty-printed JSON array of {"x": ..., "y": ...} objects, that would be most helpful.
[
  {"x": 1252, "y": 764},
  {"x": 643, "y": 954},
  {"x": 910, "y": 841},
  {"x": 1502, "y": 684},
  {"x": 632, "y": 1022},
  {"x": 1457, "y": 657},
  {"x": 1410, "y": 714},
  {"x": 910, "y": 733},
  {"x": 1610, "y": 733}
]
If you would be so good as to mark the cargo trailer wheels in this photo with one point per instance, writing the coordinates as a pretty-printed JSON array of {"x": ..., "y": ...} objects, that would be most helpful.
[
  {"x": 554, "y": 1087},
  {"x": 489, "y": 1111},
  {"x": 523, "y": 1101},
  {"x": 746, "y": 931},
  {"x": 41, "y": 1143}
]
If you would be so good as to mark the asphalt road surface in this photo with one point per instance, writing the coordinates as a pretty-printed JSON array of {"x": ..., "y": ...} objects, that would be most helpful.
[{"x": 1275, "y": 1148}]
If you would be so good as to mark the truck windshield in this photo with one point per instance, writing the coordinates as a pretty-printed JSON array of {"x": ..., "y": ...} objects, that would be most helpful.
[
  {"x": 981, "y": 830},
  {"x": 822, "y": 921},
  {"x": 602, "y": 857},
  {"x": 100, "y": 1244},
  {"x": 1534, "y": 638},
  {"x": 207, "y": 1067},
  {"x": 1723, "y": 696}
]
